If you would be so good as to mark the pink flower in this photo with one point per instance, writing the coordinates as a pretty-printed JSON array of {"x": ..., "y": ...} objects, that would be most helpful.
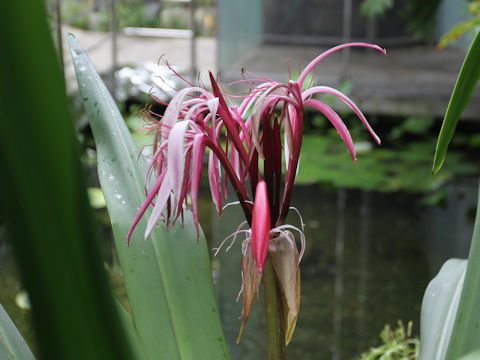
[{"x": 264, "y": 128}]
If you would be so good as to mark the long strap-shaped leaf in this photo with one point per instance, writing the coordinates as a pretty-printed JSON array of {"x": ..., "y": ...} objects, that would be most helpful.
[
  {"x": 168, "y": 277},
  {"x": 467, "y": 80},
  {"x": 466, "y": 331},
  {"x": 43, "y": 197},
  {"x": 439, "y": 307},
  {"x": 12, "y": 344}
]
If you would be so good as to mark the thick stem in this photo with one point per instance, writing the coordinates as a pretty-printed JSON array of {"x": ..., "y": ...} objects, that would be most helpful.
[{"x": 274, "y": 315}]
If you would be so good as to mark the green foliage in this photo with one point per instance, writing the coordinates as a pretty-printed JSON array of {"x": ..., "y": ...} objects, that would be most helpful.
[
  {"x": 469, "y": 25},
  {"x": 325, "y": 159},
  {"x": 168, "y": 277},
  {"x": 416, "y": 125},
  {"x": 467, "y": 81},
  {"x": 44, "y": 200},
  {"x": 12, "y": 344},
  {"x": 420, "y": 15},
  {"x": 462, "y": 320},
  {"x": 439, "y": 307},
  {"x": 373, "y": 8},
  {"x": 396, "y": 344},
  {"x": 466, "y": 330}
]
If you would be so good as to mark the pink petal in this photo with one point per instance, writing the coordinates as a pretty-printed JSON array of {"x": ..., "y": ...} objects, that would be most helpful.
[
  {"x": 320, "y": 57},
  {"x": 198, "y": 151},
  {"x": 173, "y": 109},
  {"x": 260, "y": 225},
  {"x": 336, "y": 122},
  {"x": 163, "y": 195},
  {"x": 145, "y": 205},
  {"x": 176, "y": 157},
  {"x": 346, "y": 99},
  {"x": 214, "y": 180}
]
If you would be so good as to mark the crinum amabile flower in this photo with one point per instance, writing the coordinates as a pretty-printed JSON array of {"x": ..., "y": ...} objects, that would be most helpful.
[{"x": 266, "y": 128}]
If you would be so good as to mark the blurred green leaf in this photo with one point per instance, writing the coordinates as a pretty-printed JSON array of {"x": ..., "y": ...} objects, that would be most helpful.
[
  {"x": 44, "y": 200},
  {"x": 12, "y": 344},
  {"x": 168, "y": 277},
  {"x": 439, "y": 307},
  {"x": 457, "y": 31},
  {"x": 467, "y": 80},
  {"x": 372, "y": 8},
  {"x": 466, "y": 330}
]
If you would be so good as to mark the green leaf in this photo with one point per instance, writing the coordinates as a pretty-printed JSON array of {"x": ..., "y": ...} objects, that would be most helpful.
[
  {"x": 372, "y": 8},
  {"x": 43, "y": 198},
  {"x": 168, "y": 277},
  {"x": 439, "y": 308},
  {"x": 467, "y": 80},
  {"x": 466, "y": 331},
  {"x": 130, "y": 331},
  {"x": 12, "y": 344},
  {"x": 457, "y": 31}
]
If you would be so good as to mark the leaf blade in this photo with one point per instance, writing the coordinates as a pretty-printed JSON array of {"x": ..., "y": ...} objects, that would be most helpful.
[
  {"x": 170, "y": 270},
  {"x": 11, "y": 341},
  {"x": 466, "y": 82}
]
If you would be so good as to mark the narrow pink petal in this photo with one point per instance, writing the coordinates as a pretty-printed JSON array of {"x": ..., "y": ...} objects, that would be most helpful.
[
  {"x": 322, "y": 56},
  {"x": 163, "y": 195},
  {"x": 197, "y": 165},
  {"x": 336, "y": 122},
  {"x": 213, "y": 107},
  {"x": 260, "y": 225},
  {"x": 176, "y": 157},
  {"x": 170, "y": 117},
  {"x": 145, "y": 205},
  {"x": 347, "y": 100},
  {"x": 214, "y": 180}
]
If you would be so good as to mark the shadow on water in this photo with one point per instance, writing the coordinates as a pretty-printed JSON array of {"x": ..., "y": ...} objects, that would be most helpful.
[{"x": 368, "y": 259}]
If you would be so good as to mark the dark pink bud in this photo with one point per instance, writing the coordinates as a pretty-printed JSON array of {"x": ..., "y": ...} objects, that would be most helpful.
[{"x": 260, "y": 225}]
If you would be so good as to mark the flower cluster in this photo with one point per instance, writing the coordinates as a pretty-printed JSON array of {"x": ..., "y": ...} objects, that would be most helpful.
[{"x": 266, "y": 128}]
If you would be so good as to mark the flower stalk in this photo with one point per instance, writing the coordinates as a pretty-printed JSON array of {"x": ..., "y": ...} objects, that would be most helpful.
[{"x": 274, "y": 313}]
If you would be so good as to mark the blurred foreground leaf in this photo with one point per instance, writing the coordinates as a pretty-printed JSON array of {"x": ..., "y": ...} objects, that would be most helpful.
[
  {"x": 439, "y": 307},
  {"x": 44, "y": 201}
]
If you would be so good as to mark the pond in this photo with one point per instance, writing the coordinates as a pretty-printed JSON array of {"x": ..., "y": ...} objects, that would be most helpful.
[{"x": 368, "y": 259}]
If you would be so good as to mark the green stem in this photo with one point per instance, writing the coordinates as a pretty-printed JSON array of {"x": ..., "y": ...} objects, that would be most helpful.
[{"x": 274, "y": 317}]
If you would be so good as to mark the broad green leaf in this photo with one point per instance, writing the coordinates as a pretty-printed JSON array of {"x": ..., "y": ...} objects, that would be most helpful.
[
  {"x": 466, "y": 82},
  {"x": 466, "y": 331},
  {"x": 43, "y": 198},
  {"x": 12, "y": 344},
  {"x": 439, "y": 308},
  {"x": 130, "y": 331},
  {"x": 168, "y": 277}
]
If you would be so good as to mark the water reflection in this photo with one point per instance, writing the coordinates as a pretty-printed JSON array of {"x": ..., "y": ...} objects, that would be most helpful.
[{"x": 368, "y": 260}]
